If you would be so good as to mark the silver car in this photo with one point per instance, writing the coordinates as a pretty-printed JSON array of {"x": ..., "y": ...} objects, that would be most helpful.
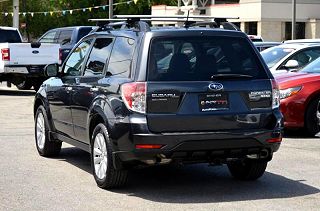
[{"x": 290, "y": 57}]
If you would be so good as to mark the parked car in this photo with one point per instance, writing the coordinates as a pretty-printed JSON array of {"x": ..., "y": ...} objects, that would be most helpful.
[
  {"x": 261, "y": 46},
  {"x": 300, "y": 94},
  {"x": 302, "y": 41},
  {"x": 22, "y": 63},
  {"x": 67, "y": 37},
  {"x": 255, "y": 38},
  {"x": 290, "y": 57},
  {"x": 116, "y": 98}
]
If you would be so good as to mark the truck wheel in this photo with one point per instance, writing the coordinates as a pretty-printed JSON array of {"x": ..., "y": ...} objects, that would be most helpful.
[
  {"x": 311, "y": 121},
  {"x": 36, "y": 85},
  {"x": 247, "y": 169},
  {"x": 24, "y": 85},
  {"x": 44, "y": 146},
  {"x": 105, "y": 175}
]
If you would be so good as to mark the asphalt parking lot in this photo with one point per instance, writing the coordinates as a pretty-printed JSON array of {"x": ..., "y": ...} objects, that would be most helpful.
[{"x": 31, "y": 182}]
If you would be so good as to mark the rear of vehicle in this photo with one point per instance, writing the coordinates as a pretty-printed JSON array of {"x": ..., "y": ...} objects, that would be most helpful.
[
  {"x": 206, "y": 97},
  {"x": 22, "y": 63},
  {"x": 28, "y": 58}
]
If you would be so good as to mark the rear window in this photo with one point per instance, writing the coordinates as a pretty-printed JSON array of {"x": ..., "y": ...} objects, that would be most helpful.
[
  {"x": 11, "y": 36},
  {"x": 200, "y": 58}
]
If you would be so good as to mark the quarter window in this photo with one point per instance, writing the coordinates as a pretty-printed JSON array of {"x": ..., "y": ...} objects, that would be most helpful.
[
  {"x": 65, "y": 37},
  {"x": 48, "y": 38},
  {"x": 99, "y": 56},
  {"x": 121, "y": 57},
  {"x": 75, "y": 61}
]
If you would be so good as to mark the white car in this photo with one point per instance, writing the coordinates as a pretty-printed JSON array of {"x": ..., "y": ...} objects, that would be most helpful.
[
  {"x": 22, "y": 63},
  {"x": 290, "y": 57}
]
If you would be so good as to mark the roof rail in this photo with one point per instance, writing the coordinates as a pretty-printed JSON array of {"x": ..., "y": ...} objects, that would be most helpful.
[{"x": 138, "y": 22}]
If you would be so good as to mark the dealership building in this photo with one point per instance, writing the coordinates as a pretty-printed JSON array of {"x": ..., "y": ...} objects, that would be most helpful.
[{"x": 270, "y": 19}]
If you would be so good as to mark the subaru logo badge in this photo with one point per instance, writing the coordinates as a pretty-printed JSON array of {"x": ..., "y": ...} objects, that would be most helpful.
[
  {"x": 35, "y": 52},
  {"x": 215, "y": 86}
]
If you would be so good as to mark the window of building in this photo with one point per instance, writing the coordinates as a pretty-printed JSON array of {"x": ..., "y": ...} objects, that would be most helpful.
[
  {"x": 300, "y": 30},
  {"x": 251, "y": 28}
]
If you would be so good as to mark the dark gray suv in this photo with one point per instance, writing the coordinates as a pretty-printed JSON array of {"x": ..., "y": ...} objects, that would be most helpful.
[{"x": 141, "y": 97}]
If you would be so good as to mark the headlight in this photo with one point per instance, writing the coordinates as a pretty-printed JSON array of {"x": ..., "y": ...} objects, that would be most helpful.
[{"x": 285, "y": 93}]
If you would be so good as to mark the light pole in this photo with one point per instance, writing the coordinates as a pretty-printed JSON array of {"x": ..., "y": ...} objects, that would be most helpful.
[
  {"x": 294, "y": 19},
  {"x": 15, "y": 23},
  {"x": 110, "y": 9}
]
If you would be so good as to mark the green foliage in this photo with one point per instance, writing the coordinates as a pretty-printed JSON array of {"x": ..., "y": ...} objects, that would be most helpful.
[{"x": 40, "y": 23}]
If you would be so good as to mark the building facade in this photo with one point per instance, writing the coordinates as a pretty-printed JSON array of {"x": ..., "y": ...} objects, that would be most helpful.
[{"x": 270, "y": 19}]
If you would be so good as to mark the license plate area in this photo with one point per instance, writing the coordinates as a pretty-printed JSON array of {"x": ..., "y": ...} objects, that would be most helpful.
[{"x": 213, "y": 102}]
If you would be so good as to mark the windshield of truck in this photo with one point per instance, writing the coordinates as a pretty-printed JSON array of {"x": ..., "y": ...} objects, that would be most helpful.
[
  {"x": 11, "y": 36},
  {"x": 203, "y": 59}
]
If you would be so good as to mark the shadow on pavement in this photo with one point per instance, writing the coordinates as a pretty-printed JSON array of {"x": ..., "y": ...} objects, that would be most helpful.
[
  {"x": 196, "y": 183},
  {"x": 297, "y": 133},
  {"x": 17, "y": 92}
]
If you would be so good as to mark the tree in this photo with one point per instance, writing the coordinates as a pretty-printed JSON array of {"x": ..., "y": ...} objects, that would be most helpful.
[{"x": 38, "y": 23}]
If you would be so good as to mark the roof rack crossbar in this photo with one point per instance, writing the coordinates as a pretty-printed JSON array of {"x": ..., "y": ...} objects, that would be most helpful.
[{"x": 138, "y": 22}]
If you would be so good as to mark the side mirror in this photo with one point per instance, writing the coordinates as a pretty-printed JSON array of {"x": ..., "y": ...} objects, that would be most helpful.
[
  {"x": 291, "y": 64},
  {"x": 51, "y": 70}
]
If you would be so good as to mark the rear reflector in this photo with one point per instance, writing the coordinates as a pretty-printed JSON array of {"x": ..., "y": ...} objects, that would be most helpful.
[
  {"x": 149, "y": 146},
  {"x": 5, "y": 52},
  {"x": 60, "y": 56},
  {"x": 275, "y": 140}
]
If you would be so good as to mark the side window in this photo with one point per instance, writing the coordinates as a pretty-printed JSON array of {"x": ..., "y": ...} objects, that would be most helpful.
[
  {"x": 65, "y": 37},
  {"x": 99, "y": 56},
  {"x": 305, "y": 57},
  {"x": 48, "y": 38},
  {"x": 121, "y": 56},
  {"x": 76, "y": 59}
]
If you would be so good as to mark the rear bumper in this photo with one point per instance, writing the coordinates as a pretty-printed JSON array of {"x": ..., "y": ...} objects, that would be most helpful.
[
  {"x": 36, "y": 70},
  {"x": 194, "y": 145},
  {"x": 191, "y": 146}
]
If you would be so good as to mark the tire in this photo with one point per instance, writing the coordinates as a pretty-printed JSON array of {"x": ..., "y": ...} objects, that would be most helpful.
[
  {"x": 247, "y": 169},
  {"x": 24, "y": 85},
  {"x": 45, "y": 146},
  {"x": 311, "y": 121},
  {"x": 105, "y": 175},
  {"x": 36, "y": 85}
]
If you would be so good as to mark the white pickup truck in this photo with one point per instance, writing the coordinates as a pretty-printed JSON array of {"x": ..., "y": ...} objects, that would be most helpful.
[{"x": 22, "y": 63}]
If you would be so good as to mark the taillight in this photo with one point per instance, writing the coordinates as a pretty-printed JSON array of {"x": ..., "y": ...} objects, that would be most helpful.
[
  {"x": 134, "y": 96},
  {"x": 275, "y": 94},
  {"x": 5, "y": 52},
  {"x": 60, "y": 56}
]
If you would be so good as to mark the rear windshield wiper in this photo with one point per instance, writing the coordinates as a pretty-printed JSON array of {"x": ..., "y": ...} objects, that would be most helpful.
[{"x": 230, "y": 76}]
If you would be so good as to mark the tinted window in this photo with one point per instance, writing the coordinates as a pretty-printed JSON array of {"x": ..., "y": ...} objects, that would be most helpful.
[
  {"x": 98, "y": 57},
  {"x": 11, "y": 36},
  {"x": 305, "y": 57},
  {"x": 273, "y": 55},
  {"x": 83, "y": 32},
  {"x": 65, "y": 37},
  {"x": 49, "y": 37},
  {"x": 194, "y": 59},
  {"x": 121, "y": 56},
  {"x": 75, "y": 61}
]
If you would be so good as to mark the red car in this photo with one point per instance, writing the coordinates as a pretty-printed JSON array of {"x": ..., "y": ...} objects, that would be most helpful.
[{"x": 300, "y": 94}]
